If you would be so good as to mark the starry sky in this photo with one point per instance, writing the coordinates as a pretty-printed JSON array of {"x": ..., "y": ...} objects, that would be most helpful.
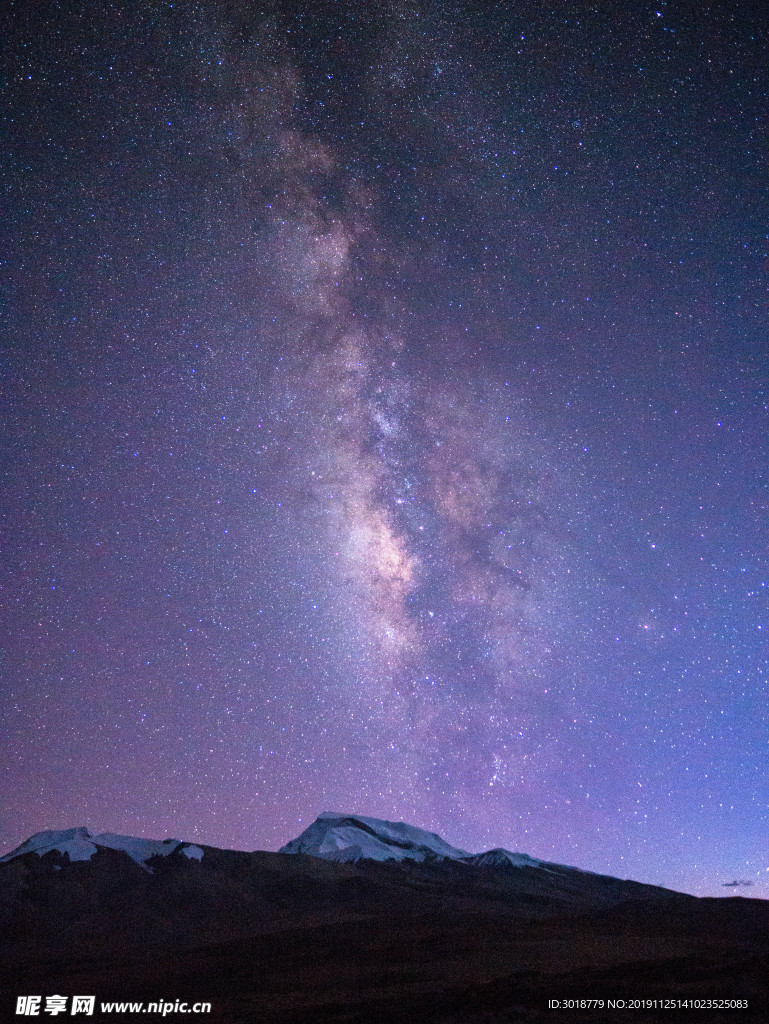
[{"x": 384, "y": 392}]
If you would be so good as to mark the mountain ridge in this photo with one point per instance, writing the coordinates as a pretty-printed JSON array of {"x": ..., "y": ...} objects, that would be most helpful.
[
  {"x": 80, "y": 844},
  {"x": 290, "y": 937},
  {"x": 332, "y": 836}
]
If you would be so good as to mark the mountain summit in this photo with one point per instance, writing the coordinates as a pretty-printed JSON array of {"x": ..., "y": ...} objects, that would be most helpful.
[
  {"x": 356, "y": 839},
  {"x": 81, "y": 844},
  {"x": 346, "y": 837}
]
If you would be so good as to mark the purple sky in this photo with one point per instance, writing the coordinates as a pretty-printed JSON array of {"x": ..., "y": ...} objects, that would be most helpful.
[{"x": 385, "y": 394}]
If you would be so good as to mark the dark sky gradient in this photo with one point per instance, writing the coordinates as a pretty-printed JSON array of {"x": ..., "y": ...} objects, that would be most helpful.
[{"x": 384, "y": 393}]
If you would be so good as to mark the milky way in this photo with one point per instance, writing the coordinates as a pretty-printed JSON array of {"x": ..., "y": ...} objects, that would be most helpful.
[{"x": 385, "y": 428}]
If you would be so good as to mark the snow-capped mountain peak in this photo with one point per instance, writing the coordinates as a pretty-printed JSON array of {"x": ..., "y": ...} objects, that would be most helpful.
[
  {"x": 77, "y": 842},
  {"x": 346, "y": 837},
  {"x": 501, "y": 858},
  {"x": 81, "y": 844}
]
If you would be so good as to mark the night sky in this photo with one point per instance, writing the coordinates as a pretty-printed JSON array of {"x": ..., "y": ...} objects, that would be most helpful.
[{"x": 384, "y": 404}]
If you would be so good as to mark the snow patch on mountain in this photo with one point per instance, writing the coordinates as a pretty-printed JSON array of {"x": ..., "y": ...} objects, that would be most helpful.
[
  {"x": 139, "y": 850},
  {"x": 500, "y": 858},
  {"x": 344, "y": 837},
  {"x": 81, "y": 844},
  {"x": 77, "y": 842}
]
